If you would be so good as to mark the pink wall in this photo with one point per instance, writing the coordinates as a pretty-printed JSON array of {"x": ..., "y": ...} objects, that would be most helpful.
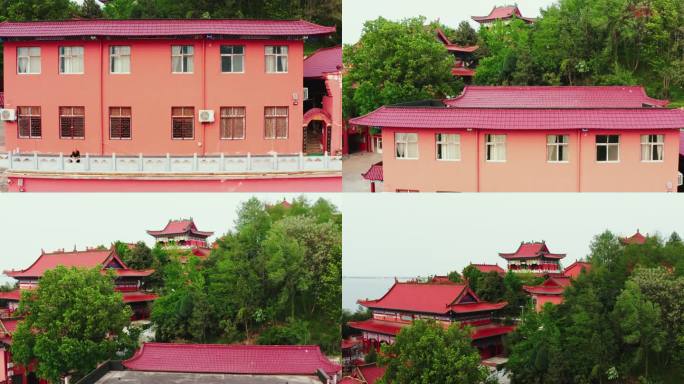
[
  {"x": 331, "y": 183},
  {"x": 333, "y": 105},
  {"x": 526, "y": 168},
  {"x": 151, "y": 89}
]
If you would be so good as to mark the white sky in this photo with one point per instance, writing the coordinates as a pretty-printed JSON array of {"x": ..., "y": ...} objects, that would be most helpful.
[
  {"x": 449, "y": 12},
  {"x": 408, "y": 235},
  {"x": 52, "y": 221}
]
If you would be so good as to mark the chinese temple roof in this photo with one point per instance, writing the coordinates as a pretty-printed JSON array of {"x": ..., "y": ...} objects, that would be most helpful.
[
  {"x": 89, "y": 258},
  {"x": 503, "y": 13},
  {"x": 322, "y": 62},
  {"x": 162, "y": 27},
  {"x": 636, "y": 238},
  {"x": 372, "y": 373},
  {"x": 462, "y": 71},
  {"x": 8, "y": 326},
  {"x": 532, "y": 250},
  {"x": 485, "y": 268},
  {"x": 428, "y": 117},
  {"x": 179, "y": 227},
  {"x": 374, "y": 173},
  {"x": 574, "y": 269},
  {"x": 554, "y": 97},
  {"x": 393, "y": 328},
  {"x": 14, "y": 295},
  {"x": 231, "y": 359},
  {"x": 551, "y": 286},
  {"x": 138, "y": 297}
]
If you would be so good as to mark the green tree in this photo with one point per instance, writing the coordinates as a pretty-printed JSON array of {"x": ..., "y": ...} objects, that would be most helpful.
[
  {"x": 425, "y": 352},
  {"x": 90, "y": 9},
  {"x": 464, "y": 34},
  {"x": 472, "y": 276},
  {"x": 455, "y": 277},
  {"x": 490, "y": 287},
  {"x": 396, "y": 62},
  {"x": 73, "y": 321},
  {"x": 139, "y": 257}
]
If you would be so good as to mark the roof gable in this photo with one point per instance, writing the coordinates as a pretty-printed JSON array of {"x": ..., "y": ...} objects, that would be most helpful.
[
  {"x": 532, "y": 250},
  {"x": 80, "y": 259},
  {"x": 178, "y": 227},
  {"x": 418, "y": 297},
  {"x": 322, "y": 62},
  {"x": 231, "y": 359}
]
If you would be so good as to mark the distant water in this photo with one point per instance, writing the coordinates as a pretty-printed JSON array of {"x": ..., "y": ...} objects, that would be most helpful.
[{"x": 355, "y": 288}]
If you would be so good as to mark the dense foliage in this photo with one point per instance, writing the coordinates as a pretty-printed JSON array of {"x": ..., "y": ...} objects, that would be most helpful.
[
  {"x": 396, "y": 61},
  {"x": 622, "y": 322},
  {"x": 275, "y": 279},
  {"x": 425, "y": 352},
  {"x": 590, "y": 42},
  {"x": 73, "y": 321}
]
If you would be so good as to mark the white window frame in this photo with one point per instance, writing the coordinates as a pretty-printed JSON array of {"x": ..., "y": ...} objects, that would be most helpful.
[
  {"x": 27, "y": 56},
  {"x": 66, "y": 53},
  {"x": 284, "y": 53},
  {"x": 403, "y": 138},
  {"x": 181, "y": 55},
  {"x": 495, "y": 141},
  {"x": 117, "y": 55},
  {"x": 232, "y": 56},
  {"x": 442, "y": 139},
  {"x": 660, "y": 142},
  {"x": 607, "y": 145},
  {"x": 557, "y": 145}
]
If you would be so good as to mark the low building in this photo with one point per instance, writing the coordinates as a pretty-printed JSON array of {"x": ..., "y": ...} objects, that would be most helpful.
[
  {"x": 364, "y": 374},
  {"x": 636, "y": 238},
  {"x": 551, "y": 290},
  {"x": 486, "y": 268},
  {"x": 444, "y": 302},
  {"x": 531, "y": 139},
  {"x": 504, "y": 14},
  {"x": 217, "y": 363}
]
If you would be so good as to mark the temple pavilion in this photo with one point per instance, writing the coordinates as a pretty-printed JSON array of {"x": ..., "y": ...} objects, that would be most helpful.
[
  {"x": 444, "y": 302},
  {"x": 181, "y": 234},
  {"x": 465, "y": 60},
  {"x": 505, "y": 14},
  {"x": 534, "y": 257}
]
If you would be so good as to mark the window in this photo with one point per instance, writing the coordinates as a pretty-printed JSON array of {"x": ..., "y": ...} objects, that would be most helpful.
[
  {"x": 183, "y": 123},
  {"x": 276, "y": 122},
  {"x": 28, "y": 60},
  {"x": 652, "y": 147},
  {"x": 120, "y": 123},
  {"x": 448, "y": 146},
  {"x": 71, "y": 60},
  {"x": 406, "y": 145},
  {"x": 232, "y": 58},
  {"x": 407, "y": 191},
  {"x": 182, "y": 58},
  {"x": 557, "y": 148},
  {"x": 276, "y": 59},
  {"x": 120, "y": 59},
  {"x": 495, "y": 147},
  {"x": 233, "y": 123},
  {"x": 72, "y": 122},
  {"x": 607, "y": 148},
  {"x": 29, "y": 122}
]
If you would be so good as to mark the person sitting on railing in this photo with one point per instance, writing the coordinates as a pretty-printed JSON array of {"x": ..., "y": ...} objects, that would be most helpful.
[{"x": 75, "y": 156}]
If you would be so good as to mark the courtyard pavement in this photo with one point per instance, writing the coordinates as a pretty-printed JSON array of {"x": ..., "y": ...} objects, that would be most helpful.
[{"x": 352, "y": 168}]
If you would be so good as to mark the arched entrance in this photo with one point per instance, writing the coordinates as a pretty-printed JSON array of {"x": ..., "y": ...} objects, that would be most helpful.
[{"x": 317, "y": 126}]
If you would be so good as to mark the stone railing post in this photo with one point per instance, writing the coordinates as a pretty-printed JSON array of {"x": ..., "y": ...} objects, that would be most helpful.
[
  {"x": 87, "y": 162},
  {"x": 274, "y": 165},
  {"x": 113, "y": 161},
  {"x": 141, "y": 164},
  {"x": 326, "y": 160},
  {"x": 10, "y": 159},
  {"x": 35, "y": 160},
  {"x": 301, "y": 161},
  {"x": 168, "y": 162},
  {"x": 222, "y": 164},
  {"x": 194, "y": 162},
  {"x": 61, "y": 161},
  {"x": 249, "y": 161}
]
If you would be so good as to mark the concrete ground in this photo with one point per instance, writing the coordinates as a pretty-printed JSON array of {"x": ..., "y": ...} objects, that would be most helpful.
[
  {"x": 133, "y": 377},
  {"x": 352, "y": 168}
]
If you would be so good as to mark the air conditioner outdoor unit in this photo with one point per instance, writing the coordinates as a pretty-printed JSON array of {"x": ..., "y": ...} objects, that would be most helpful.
[
  {"x": 306, "y": 93},
  {"x": 206, "y": 116},
  {"x": 8, "y": 114}
]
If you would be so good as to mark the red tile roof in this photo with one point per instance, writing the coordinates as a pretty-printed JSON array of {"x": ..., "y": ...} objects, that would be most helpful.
[
  {"x": 503, "y": 13},
  {"x": 231, "y": 359},
  {"x": 574, "y": 269},
  {"x": 485, "y": 268},
  {"x": 201, "y": 252},
  {"x": 138, "y": 297},
  {"x": 323, "y": 61},
  {"x": 374, "y": 173},
  {"x": 162, "y": 27},
  {"x": 477, "y": 307},
  {"x": 133, "y": 272},
  {"x": 177, "y": 227},
  {"x": 522, "y": 119},
  {"x": 554, "y": 97},
  {"x": 636, "y": 238},
  {"x": 81, "y": 259},
  {"x": 462, "y": 71},
  {"x": 552, "y": 286},
  {"x": 532, "y": 250},
  {"x": 372, "y": 373},
  {"x": 461, "y": 48},
  {"x": 418, "y": 297},
  {"x": 491, "y": 331},
  {"x": 8, "y": 325},
  {"x": 14, "y": 295},
  {"x": 393, "y": 328}
]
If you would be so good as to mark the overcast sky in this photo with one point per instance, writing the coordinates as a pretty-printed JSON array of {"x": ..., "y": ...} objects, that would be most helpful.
[
  {"x": 52, "y": 221},
  {"x": 425, "y": 234},
  {"x": 449, "y": 12}
]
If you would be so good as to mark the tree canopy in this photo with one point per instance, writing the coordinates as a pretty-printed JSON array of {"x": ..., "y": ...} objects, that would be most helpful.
[{"x": 73, "y": 321}]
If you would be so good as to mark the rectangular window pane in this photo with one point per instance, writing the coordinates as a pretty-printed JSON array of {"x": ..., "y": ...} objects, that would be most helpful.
[
  {"x": 29, "y": 122},
  {"x": 120, "y": 123},
  {"x": 182, "y": 58},
  {"x": 183, "y": 123},
  {"x": 72, "y": 122},
  {"x": 120, "y": 59},
  {"x": 276, "y": 59},
  {"x": 448, "y": 146},
  {"x": 233, "y": 123},
  {"x": 608, "y": 148},
  {"x": 495, "y": 147}
]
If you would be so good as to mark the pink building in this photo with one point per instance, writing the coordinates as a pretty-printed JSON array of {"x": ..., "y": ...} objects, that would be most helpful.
[
  {"x": 531, "y": 139},
  {"x": 156, "y": 86}
]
